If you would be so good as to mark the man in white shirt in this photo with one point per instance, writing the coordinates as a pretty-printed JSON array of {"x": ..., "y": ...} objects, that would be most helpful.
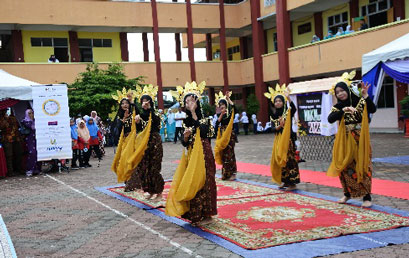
[
  {"x": 179, "y": 117},
  {"x": 53, "y": 59}
]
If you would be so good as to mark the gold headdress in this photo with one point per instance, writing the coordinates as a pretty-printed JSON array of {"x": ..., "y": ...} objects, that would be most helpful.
[
  {"x": 347, "y": 78},
  {"x": 123, "y": 94},
  {"x": 149, "y": 90},
  {"x": 190, "y": 88},
  {"x": 221, "y": 96},
  {"x": 280, "y": 90}
]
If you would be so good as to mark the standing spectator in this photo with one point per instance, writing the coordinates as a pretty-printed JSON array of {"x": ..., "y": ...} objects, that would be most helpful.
[
  {"x": 76, "y": 150},
  {"x": 83, "y": 142},
  {"x": 94, "y": 141},
  {"x": 162, "y": 124},
  {"x": 179, "y": 117},
  {"x": 53, "y": 59},
  {"x": 245, "y": 121},
  {"x": 364, "y": 25},
  {"x": 254, "y": 119},
  {"x": 236, "y": 124},
  {"x": 98, "y": 122},
  {"x": 170, "y": 126},
  {"x": 11, "y": 141},
  {"x": 28, "y": 123},
  {"x": 3, "y": 163}
]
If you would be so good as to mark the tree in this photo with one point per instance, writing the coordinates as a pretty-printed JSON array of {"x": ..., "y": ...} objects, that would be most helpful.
[
  {"x": 253, "y": 105},
  {"x": 93, "y": 88},
  {"x": 405, "y": 106}
]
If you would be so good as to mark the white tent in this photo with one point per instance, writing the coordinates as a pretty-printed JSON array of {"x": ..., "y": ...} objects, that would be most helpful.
[
  {"x": 397, "y": 49},
  {"x": 15, "y": 87}
]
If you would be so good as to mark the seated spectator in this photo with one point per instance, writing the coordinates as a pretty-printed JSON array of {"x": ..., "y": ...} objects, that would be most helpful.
[
  {"x": 260, "y": 128},
  {"x": 329, "y": 35},
  {"x": 268, "y": 129},
  {"x": 340, "y": 32},
  {"x": 53, "y": 59},
  {"x": 348, "y": 30},
  {"x": 315, "y": 38},
  {"x": 28, "y": 124},
  {"x": 364, "y": 25}
]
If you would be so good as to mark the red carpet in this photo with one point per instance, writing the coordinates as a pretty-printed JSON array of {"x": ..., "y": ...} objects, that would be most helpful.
[
  {"x": 379, "y": 186},
  {"x": 255, "y": 217}
]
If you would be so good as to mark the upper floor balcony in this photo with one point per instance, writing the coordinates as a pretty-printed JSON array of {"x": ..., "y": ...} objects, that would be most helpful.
[{"x": 321, "y": 59}]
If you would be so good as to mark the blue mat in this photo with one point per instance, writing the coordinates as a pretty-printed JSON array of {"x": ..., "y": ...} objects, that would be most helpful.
[
  {"x": 399, "y": 160},
  {"x": 306, "y": 249},
  {"x": 6, "y": 246}
]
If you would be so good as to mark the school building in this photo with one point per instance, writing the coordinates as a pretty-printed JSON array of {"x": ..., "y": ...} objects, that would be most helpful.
[{"x": 250, "y": 44}]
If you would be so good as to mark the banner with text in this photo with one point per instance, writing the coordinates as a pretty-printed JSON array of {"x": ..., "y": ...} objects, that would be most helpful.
[
  {"x": 52, "y": 122},
  {"x": 309, "y": 113}
]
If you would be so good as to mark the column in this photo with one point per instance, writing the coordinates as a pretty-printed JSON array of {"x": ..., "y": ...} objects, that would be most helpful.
[
  {"x": 124, "y": 46},
  {"x": 157, "y": 53},
  {"x": 74, "y": 48}
]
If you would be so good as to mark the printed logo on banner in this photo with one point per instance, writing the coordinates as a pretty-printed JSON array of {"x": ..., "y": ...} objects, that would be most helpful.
[{"x": 51, "y": 107}]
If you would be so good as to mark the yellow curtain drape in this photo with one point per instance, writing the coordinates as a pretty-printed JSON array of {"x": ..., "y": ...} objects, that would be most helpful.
[
  {"x": 343, "y": 151},
  {"x": 189, "y": 178},
  {"x": 223, "y": 140},
  {"x": 362, "y": 156},
  {"x": 280, "y": 150}
]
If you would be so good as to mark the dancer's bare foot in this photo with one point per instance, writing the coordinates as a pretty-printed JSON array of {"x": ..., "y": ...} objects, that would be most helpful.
[
  {"x": 206, "y": 221},
  {"x": 367, "y": 204},
  {"x": 291, "y": 188},
  {"x": 232, "y": 178},
  {"x": 344, "y": 199},
  {"x": 147, "y": 196},
  {"x": 156, "y": 197}
]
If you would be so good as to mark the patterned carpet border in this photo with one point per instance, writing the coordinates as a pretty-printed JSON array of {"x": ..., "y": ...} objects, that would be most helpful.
[
  {"x": 321, "y": 247},
  {"x": 6, "y": 245}
]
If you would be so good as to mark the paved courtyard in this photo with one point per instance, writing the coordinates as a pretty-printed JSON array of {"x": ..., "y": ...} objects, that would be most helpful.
[{"x": 62, "y": 215}]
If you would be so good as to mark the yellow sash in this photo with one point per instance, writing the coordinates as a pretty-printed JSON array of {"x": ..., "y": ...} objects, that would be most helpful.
[
  {"x": 362, "y": 156},
  {"x": 223, "y": 140},
  {"x": 279, "y": 154},
  {"x": 343, "y": 152},
  {"x": 189, "y": 178}
]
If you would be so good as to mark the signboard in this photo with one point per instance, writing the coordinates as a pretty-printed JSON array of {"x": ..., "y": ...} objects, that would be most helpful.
[
  {"x": 309, "y": 113},
  {"x": 52, "y": 122}
]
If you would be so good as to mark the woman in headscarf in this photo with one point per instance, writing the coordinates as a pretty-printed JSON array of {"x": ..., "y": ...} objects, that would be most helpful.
[
  {"x": 33, "y": 167},
  {"x": 99, "y": 123},
  {"x": 284, "y": 166},
  {"x": 254, "y": 119},
  {"x": 193, "y": 192},
  {"x": 245, "y": 121},
  {"x": 147, "y": 175},
  {"x": 348, "y": 30},
  {"x": 75, "y": 146},
  {"x": 170, "y": 126},
  {"x": 340, "y": 31},
  {"x": 83, "y": 142},
  {"x": 224, "y": 150},
  {"x": 94, "y": 141},
  {"x": 162, "y": 117},
  {"x": 260, "y": 128},
  {"x": 351, "y": 155}
]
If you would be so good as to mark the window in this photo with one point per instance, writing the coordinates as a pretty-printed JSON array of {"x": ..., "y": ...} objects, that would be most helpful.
[
  {"x": 97, "y": 42},
  {"x": 85, "y": 42},
  {"x": 49, "y": 42},
  {"x": 236, "y": 96},
  {"x": 107, "y": 42},
  {"x": 60, "y": 42},
  {"x": 387, "y": 96},
  {"x": 304, "y": 28},
  {"x": 376, "y": 6},
  {"x": 336, "y": 21},
  {"x": 231, "y": 51}
]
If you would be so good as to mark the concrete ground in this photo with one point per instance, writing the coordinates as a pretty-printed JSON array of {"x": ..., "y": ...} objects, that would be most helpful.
[{"x": 62, "y": 215}]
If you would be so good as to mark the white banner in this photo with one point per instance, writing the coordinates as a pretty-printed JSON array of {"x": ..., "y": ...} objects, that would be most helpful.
[
  {"x": 327, "y": 129},
  {"x": 52, "y": 122}
]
